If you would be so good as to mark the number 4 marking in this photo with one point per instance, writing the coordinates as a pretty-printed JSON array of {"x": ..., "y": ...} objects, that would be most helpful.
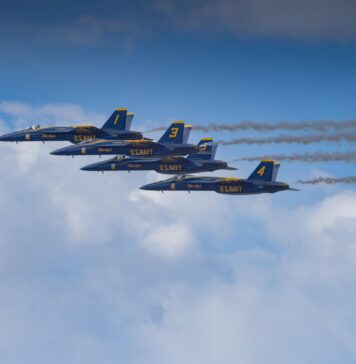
[{"x": 261, "y": 171}]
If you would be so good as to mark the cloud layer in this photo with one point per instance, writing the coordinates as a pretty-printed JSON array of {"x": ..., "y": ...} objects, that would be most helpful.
[
  {"x": 95, "y": 270},
  {"x": 307, "y": 20},
  {"x": 276, "y": 19}
]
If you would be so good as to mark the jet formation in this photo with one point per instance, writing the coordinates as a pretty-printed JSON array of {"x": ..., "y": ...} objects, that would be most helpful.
[{"x": 171, "y": 154}]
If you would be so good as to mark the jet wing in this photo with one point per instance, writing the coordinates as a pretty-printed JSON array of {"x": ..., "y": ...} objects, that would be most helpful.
[
  {"x": 141, "y": 160},
  {"x": 231, "y": 168}
]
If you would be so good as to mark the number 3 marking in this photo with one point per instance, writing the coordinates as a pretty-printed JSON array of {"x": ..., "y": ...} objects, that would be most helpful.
[{"x": 174, "y": 133}]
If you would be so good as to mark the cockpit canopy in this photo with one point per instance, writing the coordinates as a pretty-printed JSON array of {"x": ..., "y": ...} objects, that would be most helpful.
[
  {"x": 178, "y": 177},
  {"x": 120, "y": 158},
  {"x": 34, "y": 127}
]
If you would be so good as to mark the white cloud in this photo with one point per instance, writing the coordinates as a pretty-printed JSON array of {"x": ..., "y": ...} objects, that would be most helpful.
[
  {"x": 295, "y": 305},
  {"x": 26, "y": 155},
  {"x": 123, "y": 274},
  {"x": 16, "y": 108},
  {"x": 23, "y": 114},
  {"x": 169, "y": 241},
  {"x": 91, "y": 29},
  {"x": 306, "y": 20}
]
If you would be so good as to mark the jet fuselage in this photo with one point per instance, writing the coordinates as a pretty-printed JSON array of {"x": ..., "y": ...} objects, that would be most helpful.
[
  {"x": 135, "y": 148},
  {"x": 168, "y": 165},
  {"x": 73, "y": 134},
  {"x": 231, "y": 186}
]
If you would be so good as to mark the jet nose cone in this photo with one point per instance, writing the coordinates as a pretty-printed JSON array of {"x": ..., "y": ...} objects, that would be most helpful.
[
  {"x": 62, "y": 151},
  {"x": 155, "y": 186},
  {"x": 108, "y": 165},
  {"x": 56, "y": 152},
  {"x": 94, "y": 167},
  {"x": 7, "y": 137},
  {"x": 149, "y": 187}
]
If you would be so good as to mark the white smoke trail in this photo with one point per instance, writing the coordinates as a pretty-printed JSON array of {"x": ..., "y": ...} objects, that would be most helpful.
[
  {"x": 313, "y": 125},
  {"x": 298, "y": 139},
  {"x": 347, "y": 157},
  {"x": 329, "y": 180}
]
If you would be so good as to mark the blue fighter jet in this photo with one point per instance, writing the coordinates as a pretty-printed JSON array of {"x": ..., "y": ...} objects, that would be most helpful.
[
  {"x": 201, "y": 161},
  {"x": 262, "y": 180},
  {"x": 171, "y": 143},
  {"x": 116, "y": 127}
]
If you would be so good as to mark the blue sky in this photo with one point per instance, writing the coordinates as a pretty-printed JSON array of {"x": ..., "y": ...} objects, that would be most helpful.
[{"x": 94, "y": 269}]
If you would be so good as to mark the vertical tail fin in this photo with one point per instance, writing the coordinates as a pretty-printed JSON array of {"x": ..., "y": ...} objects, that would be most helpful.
[
  {"x": 187, "y": 130},
  {"x": 266, "y": 171},
  {"x": 129, "y": 118},
  {"x": 117, "y": 120},
  {"x": 174, "y": 134},
  {"x": 276, "y": 166},
  {"x": 207, "y": 150}
]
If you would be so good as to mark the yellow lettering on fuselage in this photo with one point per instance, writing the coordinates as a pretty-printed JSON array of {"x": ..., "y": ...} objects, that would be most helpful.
[
  {"x": 230, "y": 189},
  {"x": 83, "y": 138},
  {"x": 49, "y": 136},
  {"x": 194, "y": 185},
  {"x": 104, "y": 150},
  {"x": 170, "y": 167},
  {"x": 134, "y": 165},
  {"x": 141, "y": 151}
]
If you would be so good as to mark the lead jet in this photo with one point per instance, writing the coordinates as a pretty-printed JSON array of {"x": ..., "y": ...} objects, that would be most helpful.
[
  {"x": 116, "y": 127},
  {"x": 262, "y": 180},
  {"x": 201, "y": 161},
  {"x": 171, "y": 143}
]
